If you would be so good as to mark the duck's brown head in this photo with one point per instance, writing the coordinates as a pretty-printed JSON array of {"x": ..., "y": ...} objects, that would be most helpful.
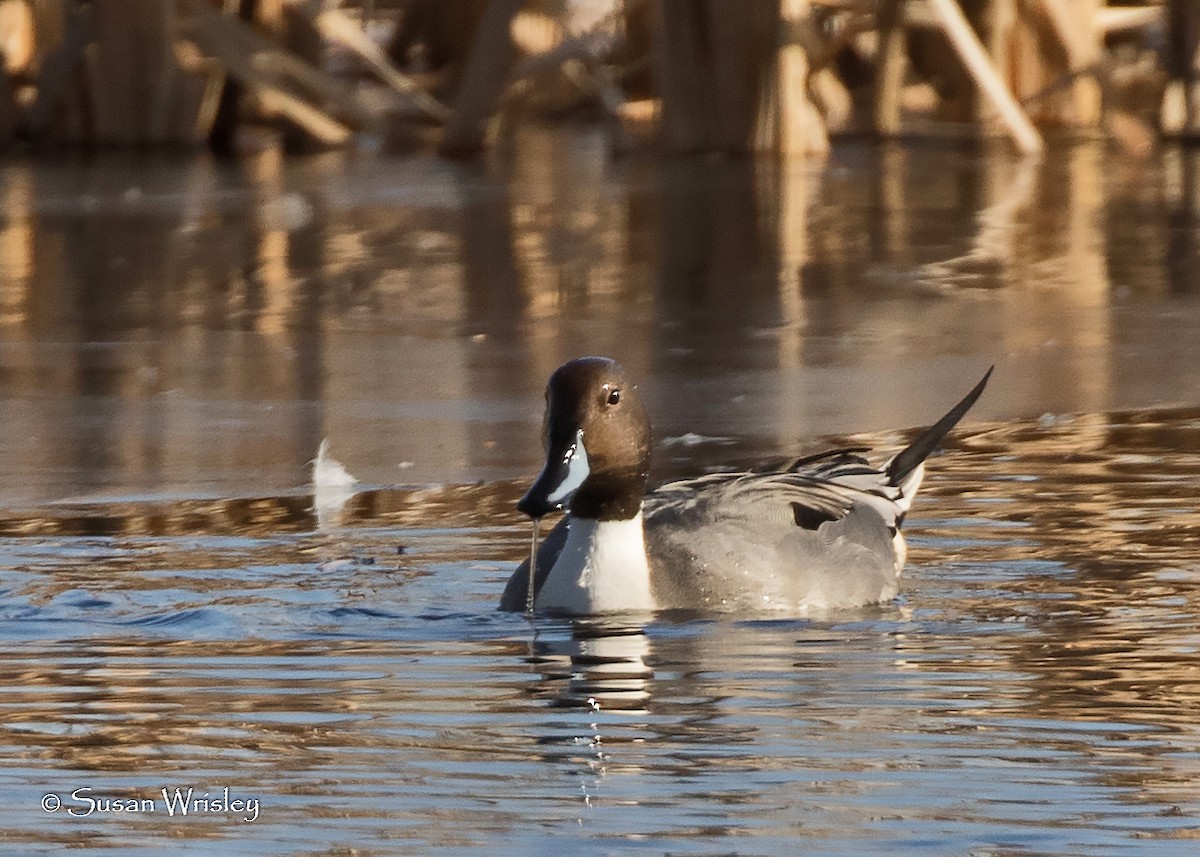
[{"x": 597, "y": 439}]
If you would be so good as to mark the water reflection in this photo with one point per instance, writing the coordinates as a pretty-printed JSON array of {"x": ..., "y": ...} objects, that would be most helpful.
[
  {"x": 595, "y": 665},
  {"x": 411, "y": 310},
  {"x": 1099, "y": 535}
]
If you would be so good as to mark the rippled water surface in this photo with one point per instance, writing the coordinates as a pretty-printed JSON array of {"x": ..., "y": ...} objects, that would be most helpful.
[
  {"x": 1035, "y": 690},
  {"x": 175, "y": 614}
]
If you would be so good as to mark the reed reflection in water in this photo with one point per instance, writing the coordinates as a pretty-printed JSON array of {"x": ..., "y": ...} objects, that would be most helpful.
[
  {"x": 1034, "y": 690},
  {"x": 169, "y": 328}
]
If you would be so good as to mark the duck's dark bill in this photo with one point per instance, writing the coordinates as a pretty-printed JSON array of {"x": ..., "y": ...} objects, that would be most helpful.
[{"x": 566, "y": 469}]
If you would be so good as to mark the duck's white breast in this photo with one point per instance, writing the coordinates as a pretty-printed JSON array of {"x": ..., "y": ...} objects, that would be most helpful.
[{"x": 602, "y": 568}]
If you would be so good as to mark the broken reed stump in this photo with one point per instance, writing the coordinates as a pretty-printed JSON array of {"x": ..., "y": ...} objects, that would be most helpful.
[
  {"x": 975, "y": 59},
  {"x": 134, "y": 84},
  {"x": 1181, "y": 108},
  {"x": 1046, "y": 52},
  {"x": 110, "y": 76},
  {"x": 799, "y": 127},
  {"x": 713, "y": 63},
  {"x": 483, "y": 80},
  {"x": 891, "y": 63}
]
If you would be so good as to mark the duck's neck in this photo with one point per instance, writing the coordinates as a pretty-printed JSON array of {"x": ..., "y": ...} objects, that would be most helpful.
[{"x": 602, "y": 568}]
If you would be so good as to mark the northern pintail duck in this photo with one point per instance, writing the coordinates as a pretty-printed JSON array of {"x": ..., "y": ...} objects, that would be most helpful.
[{"x": 822, "y": 533}]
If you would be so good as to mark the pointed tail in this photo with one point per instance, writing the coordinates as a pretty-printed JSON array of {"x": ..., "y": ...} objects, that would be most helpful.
[{"x": 905, "y": 470}]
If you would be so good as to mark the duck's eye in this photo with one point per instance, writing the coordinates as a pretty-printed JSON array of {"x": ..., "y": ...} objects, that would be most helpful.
[{"x": 614, "y": 397}]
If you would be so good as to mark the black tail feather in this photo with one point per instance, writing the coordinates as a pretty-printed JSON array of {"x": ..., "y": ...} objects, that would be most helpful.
[{"x": 910, "y": 458}]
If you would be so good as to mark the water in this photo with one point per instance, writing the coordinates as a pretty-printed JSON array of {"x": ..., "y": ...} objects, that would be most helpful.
[{"x": 176, "y": 339}]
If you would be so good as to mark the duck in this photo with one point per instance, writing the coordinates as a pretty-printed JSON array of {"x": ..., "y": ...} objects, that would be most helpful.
[{"x": 819, "y": 533}]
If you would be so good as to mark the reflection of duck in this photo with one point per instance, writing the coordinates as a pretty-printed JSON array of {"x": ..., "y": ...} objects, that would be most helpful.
[
  {"x": 823, "y": 533},
  {"x": 604, "y": 666}
]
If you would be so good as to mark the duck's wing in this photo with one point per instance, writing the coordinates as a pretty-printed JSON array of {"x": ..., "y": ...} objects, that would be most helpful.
[
  {"x": 517, "y": 588},
  {"x": 810, "y": 492},
  {"x": 826, "y": 486},
  {"x": 821, "y": 535}
]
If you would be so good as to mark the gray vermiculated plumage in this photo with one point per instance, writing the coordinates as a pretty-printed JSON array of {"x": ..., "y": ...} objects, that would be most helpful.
[{"x": 820, "y": 532}]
